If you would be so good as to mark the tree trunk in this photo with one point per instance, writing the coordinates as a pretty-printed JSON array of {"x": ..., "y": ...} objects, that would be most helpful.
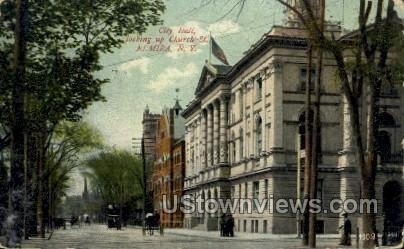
[
  {"x": 40, "y": 185},
  {"x": 17, "y": 127},
  {"x": 369, "y": 172},
  {"x": 308, "y": 152},
  {"x": 316, "y": 148}
]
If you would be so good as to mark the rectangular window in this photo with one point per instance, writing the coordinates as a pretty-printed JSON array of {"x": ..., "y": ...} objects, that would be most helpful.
[
  {"x": 256, "y": 192},
  {"x": 245, "y": 190},
  {"x": 241, "y": 103},
  {"x": 303, "y": 78},
  {"x": 259, "y": 89},
  {"x": 241, "y": 145}
]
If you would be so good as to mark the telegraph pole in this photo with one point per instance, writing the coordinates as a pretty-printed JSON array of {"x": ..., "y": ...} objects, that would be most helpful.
[
  {"x": 144, "y": 178},
  {"x": 143, "y": 154}
]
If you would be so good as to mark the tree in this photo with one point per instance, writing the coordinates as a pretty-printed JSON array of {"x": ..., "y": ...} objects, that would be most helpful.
[
  {"x": 55, "y": 58},
  {"x": 71, "y": 141},
  {"x": 118, "y": 176},
  {"x": 368, "y": 71}
]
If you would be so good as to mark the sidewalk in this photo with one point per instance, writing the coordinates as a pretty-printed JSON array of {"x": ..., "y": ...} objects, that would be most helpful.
[{"x": 241, "y": 235}]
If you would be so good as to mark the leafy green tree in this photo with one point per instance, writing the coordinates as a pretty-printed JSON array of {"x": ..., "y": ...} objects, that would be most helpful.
[
  {"x": 117, "y": 176},
  {"x": 72, "y": 140},
  {"x": 55, "y": 58}
]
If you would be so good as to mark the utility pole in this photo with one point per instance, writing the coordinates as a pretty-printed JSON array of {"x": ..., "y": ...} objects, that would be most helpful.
[
  {"x": 316, "y": 132},
  {"x": 144, "y": 179},
  {"x": 143, "y": 154}
]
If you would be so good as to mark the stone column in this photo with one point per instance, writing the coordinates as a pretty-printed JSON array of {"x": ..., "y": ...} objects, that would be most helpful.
[
  {"x": 278, "y": 158},
  {"x": 216, "y": 117},
  {"x": 223, "y": 130},
  {"x": 209, "y": 140},
  {"x": 203, "y": 138}
]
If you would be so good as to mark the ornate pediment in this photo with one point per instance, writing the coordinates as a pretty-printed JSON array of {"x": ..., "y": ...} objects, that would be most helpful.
[{"x": 209, "y": 74}]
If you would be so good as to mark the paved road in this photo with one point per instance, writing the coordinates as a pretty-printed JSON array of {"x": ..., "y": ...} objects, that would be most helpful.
[{"x": 99, "y": 237}]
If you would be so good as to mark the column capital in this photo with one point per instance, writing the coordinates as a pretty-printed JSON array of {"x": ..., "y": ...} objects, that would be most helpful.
[
  {"x": 275, "y": 67},
  {"x": 224, "y": 98}
]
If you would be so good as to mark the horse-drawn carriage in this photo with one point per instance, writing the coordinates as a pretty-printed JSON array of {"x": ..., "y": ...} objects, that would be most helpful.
[
  {"x": 114, "y": 221},
  {"x": 74, "y": 221},
  {"x": 152, "y": 223}
]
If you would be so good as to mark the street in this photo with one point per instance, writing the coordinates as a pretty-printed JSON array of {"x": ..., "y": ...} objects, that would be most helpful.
[{"x": 98, "y": 237}]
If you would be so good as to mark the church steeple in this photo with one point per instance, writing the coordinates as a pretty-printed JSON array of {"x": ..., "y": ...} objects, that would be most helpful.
[{"x": 85, "y": 191}]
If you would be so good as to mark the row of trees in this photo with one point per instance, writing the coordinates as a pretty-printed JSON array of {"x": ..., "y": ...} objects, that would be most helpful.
[{"x": 49, "y": 52}]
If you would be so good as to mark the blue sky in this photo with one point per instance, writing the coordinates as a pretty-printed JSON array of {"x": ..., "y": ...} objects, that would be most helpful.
[{"x": 140, "y": 78}]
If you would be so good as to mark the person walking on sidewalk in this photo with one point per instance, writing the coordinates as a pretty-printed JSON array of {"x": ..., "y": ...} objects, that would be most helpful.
[{"x": 346, "y": 235}]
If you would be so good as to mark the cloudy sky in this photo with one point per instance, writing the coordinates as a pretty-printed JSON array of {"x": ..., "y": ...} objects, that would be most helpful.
[{"x": 140, "y": 78}]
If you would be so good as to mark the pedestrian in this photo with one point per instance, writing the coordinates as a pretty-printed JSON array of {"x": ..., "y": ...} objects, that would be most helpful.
[
  {"x": 221, "y": 223},
  {"x": 231, "y": 225},
  {"x": 347, "y": 231}
]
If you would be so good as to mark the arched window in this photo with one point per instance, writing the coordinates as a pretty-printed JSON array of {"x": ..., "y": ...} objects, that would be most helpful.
[
  {"x": 386, "y": 120},
  {"x": 258, "y": 135},
  {"x": 241, "y": 147}
]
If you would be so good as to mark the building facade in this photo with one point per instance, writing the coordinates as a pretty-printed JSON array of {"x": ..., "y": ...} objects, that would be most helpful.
[
  {"x": 149, "y": 124},
  {"x": 168, "y": 171},
  {"x": 245, "y": 137},
  {"x": 178, "y": 180}
]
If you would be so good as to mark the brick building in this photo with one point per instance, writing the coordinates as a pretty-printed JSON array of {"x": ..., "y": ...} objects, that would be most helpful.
[
  {"x": 178, "y": 178},
  {"x": 167, "y": 177},
  {"x": 149, "y": 124}
]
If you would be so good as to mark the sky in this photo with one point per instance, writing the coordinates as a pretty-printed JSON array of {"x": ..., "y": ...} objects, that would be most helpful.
[{"x": 139, "y": 78}]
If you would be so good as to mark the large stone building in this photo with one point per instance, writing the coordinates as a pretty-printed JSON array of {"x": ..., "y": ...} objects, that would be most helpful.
[
  {"x": 244, "y": 136},
  {"x": 167, "y": 177}
]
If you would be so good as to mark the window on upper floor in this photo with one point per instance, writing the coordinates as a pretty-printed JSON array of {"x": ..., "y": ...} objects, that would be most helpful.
[
  {"x": 258, "y": 135},
  {"x": 241, "y": 147},
  {"x": 258, "y": 85},
  {"x": 241, "y": 103},
  {"x": 304, "y": 77},
  {"x": 302, "y": 128},
  {"x": 233, "y": 147}
]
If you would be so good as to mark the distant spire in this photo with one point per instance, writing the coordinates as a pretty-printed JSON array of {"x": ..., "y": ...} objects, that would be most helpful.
[
  {"x": 85, "y": 191},
  {"x": 177, "y": 107}
]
